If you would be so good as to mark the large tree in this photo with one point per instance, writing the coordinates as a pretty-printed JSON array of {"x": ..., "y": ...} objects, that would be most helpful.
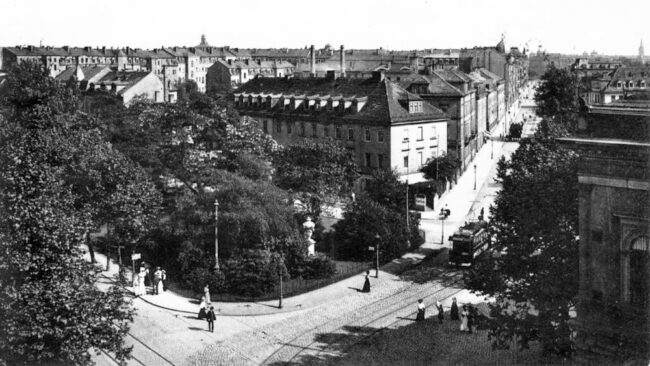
[
  {"x": 533, "y": 275},
  {"x": 60, "y": 180},
  {"x": 557, "y": 101},
  {"x": 323, "y": 168}
]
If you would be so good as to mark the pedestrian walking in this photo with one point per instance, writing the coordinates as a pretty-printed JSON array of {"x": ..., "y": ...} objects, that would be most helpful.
[
  {"x": 441, "y": 312},
  {"x": 206, "y": 294},
  {"x": 142, "y": 278},
  {"x": 164, "y": 280},
  {"x": 202, "y": 306},
  {"x": 453, "y": 313},
  {"x": 463, "y": 319},
  {"x": 366, "y": 284},
  {"x": 470, "y": 318},
  {"x": 211, "y": 318},
  {"x": 157, "y": 281},
  {"x": 421, "y": 309}
]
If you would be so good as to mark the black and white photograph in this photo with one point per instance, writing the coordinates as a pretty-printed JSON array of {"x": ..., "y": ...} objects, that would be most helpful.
[{"x": 324, "y": 183}]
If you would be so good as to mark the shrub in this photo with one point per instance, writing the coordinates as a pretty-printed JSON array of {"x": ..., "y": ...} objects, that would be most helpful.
[
  {"x": 318, "y": 267},
  {"x": 253, "y": 272},
  {"x": 197, "y": 278},
  {"x": 516, "y": 130}
]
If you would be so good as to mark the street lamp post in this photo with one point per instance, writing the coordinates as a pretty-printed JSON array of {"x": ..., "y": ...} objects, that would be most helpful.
[
  {"x": 474, "y": 176},
  {"x": 442, "y": 236},
  {"x": 491, "y": 147},
  {"x": 377, "y": 239},
  {"x": 280, "y": 298},
  {"x": 216, "y": 234},
  {"x": 408, "y": 155}
]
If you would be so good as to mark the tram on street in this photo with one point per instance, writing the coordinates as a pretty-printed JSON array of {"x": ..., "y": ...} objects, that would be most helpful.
[{"x": 468, "y": 242}]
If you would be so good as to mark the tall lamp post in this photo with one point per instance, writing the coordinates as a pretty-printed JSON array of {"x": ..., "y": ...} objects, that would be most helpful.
[
  {"x": 408, "y": 155},
  {"x": 216, "y": 234},
  {"x": 474, "y": 176},
  {"x": 377, "y": 239},
  {"x": 491, "y": 147}
]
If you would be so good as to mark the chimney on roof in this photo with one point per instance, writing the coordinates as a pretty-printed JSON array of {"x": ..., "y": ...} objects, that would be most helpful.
[
  {"x": 104, "y": 49},
  {"x": 313, "y": 60},
  {"x": 66, "y": 48},
  {"x": 30, "y": 48},
  {"x": 342, "y": 60}
]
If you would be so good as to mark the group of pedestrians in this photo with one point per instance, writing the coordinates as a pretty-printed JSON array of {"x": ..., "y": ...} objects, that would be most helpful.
[
  {"x": 466, "y": 316},
  {"x": 157, "y": 280},
  {"x": 206, "y": 310}
]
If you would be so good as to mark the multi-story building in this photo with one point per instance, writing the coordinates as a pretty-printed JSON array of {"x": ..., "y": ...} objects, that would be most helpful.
[
  {"x": 224, "y": 76},
  {"x": 383, "y": 125},
  {"x": 613, "y": 310},
  {"x": 626, "y": 82},
  {"x": 512, "y": 67},
  {"x": 124, "y": 84}
]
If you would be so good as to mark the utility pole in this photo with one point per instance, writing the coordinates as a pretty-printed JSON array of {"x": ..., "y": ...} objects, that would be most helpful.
[
  {"x": 408, "y": 227},
  {"x": 377, "y": 239},
  {"x": 474, "y": 176},
  {"x": 216, "y": 236}
]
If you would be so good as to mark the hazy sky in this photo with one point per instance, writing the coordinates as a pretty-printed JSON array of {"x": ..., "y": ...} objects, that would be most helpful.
[{"x": 568, "y": 26}]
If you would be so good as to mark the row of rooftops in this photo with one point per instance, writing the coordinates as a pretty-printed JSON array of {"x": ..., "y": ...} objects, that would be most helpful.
[
  {"x": 623, "y": 77},
  {"x": 374, "y": 99}
]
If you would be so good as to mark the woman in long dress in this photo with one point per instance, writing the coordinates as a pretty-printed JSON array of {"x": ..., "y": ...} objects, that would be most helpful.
[
  {"x": 463, "y": 320},
  {"x": 366, "y": 284},
  {"x": 142, "y": 288},
  {"x": 453, "y": 313},
  {"x": 420, "y": 310},
  {"x": 202, "y": 307}
]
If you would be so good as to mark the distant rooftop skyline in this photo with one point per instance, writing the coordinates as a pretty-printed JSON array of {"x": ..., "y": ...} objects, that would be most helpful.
[{"x": 559, "y": 26}]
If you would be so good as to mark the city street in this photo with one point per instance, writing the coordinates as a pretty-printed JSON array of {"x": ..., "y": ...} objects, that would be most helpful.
[{"x": 343, "y": 325}]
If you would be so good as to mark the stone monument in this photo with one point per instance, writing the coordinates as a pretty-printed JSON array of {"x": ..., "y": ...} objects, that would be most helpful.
[{"x": 308, "y": 228}]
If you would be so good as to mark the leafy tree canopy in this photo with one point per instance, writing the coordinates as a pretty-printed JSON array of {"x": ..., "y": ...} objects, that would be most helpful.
[
  {"x": 557, "y": 101},
  {"x": 442, "y": 168},
  {"x": 535, "y": 222},
  {"x": 60, "y": 179},
  {"x": 324, "y": 168}
]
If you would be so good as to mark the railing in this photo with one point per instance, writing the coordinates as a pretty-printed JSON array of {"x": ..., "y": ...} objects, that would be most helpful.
[{"x": 299, "y": 286}]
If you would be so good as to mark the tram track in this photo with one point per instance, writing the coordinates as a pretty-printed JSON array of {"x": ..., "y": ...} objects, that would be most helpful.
[{"x": 384, "y": 312}]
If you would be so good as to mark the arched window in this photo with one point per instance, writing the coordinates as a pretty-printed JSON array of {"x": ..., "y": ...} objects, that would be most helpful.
[{"x": 639, "y": 271}]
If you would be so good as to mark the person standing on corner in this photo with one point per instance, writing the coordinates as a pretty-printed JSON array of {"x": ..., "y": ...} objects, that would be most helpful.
[
  {"x": 441, "y": 312},
  {"x": 463, "y": 319},
  {"x": 164, "y": 280},
  {"x": 211, "y": 318},
  {"x": 157, "y": 281},
  {"x": 202, "y": 306},
  {"x": 366, "y": 284},
  {"x": 453, "y": 313},
  {"x": 421, "y": 309}
]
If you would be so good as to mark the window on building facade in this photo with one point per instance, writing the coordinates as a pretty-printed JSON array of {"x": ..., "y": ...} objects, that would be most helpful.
[
  {"x": 380, "y": 136},
  {"x": 326, "y": 131},
  {"x": 642, "y": 84},
  {"x": 289, "y": 128},
  {"x": 278, "y": 126},
  {"x": 638, "y": 272},
  {"x": 406, "y": 161},
  {"x": 265, "y": 126},
  {"x": 434, "y": 133},
  {"x": 350, "y": 134},
  {"x": 367, "y": 132},
  {"x": 405, "y": 137},
  {"x": 420, "y": 158},
  {"x": 368, "y": 160},
  {"x": 338, "y": 132},
  {"x": 314, "y": 130},
  {"x": 380, "y": 160},
  {"x": 420, "y": 133},
  {"x": 619, "y": 84},
  {"x": 302, "y": 129}
]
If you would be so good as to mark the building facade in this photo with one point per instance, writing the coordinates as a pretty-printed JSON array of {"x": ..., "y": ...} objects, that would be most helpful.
[
  {"x": 614, "y": 192},
  {"x": 383, "y": 125}
]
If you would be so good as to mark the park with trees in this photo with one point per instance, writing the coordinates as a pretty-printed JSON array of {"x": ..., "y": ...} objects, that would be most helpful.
[{"x": 74, "y": 161}]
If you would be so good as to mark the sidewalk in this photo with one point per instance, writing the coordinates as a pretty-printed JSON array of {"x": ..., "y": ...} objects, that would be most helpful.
[{"x": 461, "y": 200}]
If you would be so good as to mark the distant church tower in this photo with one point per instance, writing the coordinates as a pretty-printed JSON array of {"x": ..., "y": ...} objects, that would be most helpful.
[{"x": 641, "y": 53}]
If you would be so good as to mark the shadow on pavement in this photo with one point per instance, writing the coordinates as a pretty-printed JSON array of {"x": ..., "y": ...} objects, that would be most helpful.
[{"x": 406, "y": 342}]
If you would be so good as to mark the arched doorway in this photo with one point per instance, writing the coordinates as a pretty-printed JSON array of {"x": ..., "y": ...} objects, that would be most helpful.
[{"x": 639, "y": 271}]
